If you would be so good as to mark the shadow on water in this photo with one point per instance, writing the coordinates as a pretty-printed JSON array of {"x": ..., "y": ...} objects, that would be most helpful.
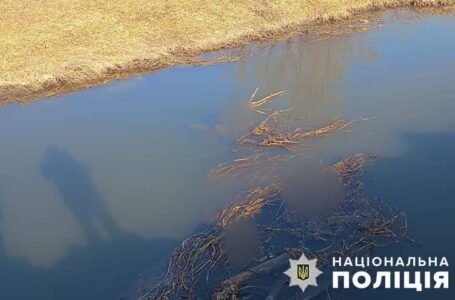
[
  {"x": 104, "y": 268},
  {"x": 72, "y": 180}
]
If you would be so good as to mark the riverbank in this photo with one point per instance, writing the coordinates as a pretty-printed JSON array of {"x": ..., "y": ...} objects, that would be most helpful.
[{"x": 51, "y": 47}]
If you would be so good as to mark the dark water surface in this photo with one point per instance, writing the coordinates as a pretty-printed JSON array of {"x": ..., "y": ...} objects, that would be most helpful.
[{"x": 98, "y": 187}]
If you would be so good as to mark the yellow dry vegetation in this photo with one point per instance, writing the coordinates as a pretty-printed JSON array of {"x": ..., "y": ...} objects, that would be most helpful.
[{"x": 51, "y": 46}]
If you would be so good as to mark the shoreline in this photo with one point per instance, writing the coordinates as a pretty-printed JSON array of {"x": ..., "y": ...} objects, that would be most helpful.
[{"x": 93, "y": 74}]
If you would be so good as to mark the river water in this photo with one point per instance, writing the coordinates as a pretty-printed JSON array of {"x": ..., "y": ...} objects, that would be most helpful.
[{"x": 99, "y": 186}]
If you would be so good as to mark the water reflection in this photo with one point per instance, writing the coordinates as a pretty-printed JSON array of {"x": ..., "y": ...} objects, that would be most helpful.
[
  {"x": 129, "y": 175},
  {"x": 313, "y": 72},
  {"x": 72, "y": 180}
]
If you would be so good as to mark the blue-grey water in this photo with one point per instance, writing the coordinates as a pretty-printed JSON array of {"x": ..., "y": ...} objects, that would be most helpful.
[{"x": 99, "y": 186}]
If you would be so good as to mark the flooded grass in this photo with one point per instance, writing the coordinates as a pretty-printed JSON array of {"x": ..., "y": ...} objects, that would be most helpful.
[
  {"x": 357, "y": 224},
  {"x": 279, "y": 128},
  {"x": 287, "y": 216},
  {"x": 51, "y": 47}
]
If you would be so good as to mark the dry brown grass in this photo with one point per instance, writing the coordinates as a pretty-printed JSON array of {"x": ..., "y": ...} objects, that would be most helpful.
[{"x": 51, "y": 46}]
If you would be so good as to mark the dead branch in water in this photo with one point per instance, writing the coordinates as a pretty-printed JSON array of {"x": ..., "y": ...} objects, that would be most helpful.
[
  {"x": 250, "y": 165},
  {"x": 357, "y": 224},
  {"x": 271, "y": 122},
  {"x": 274, "y": 131},
  {"x": 290, "y": 138},
  {"x": 200, "y": 265},
  {"x": 255, "y": 105},
  {"x": 332, "y": 128},
  {"x": 250, "y": 204},
  {"x": 256, "y": 167},
  {"x": 232, "y": 286},
  {"x": 280, "y": 136},
  {"x": 233, "y": 167}
]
